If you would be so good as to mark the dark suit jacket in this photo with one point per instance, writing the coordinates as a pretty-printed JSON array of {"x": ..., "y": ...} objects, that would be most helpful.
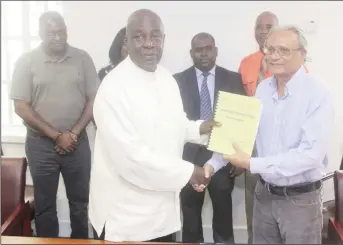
[{"x": 225, "y": 80}]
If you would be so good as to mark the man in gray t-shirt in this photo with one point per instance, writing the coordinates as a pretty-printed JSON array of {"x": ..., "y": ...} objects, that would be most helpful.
[{"x": 53, "y": 88}]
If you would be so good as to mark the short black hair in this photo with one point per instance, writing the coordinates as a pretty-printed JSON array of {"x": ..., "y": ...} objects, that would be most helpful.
[
  {"x": 202, "y": 35},
  {"x": 115, "y": 50}
]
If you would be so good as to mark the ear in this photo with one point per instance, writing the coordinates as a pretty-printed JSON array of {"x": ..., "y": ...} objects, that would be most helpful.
[
  {"x": 216, "y": 51},
  {"x": 40, "y": 33},
  {"x": 304, "y": 52},
  {"x": 163, "y": 38},
  {"x": 191, "y": 53}
]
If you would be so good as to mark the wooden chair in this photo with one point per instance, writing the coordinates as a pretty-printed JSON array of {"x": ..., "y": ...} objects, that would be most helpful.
[
  {"x": 29, "y": 198},
  {"x": 335, "y": 226},
  {"x": 14, "y": 211},
  {"x": 328, "y": 212}
]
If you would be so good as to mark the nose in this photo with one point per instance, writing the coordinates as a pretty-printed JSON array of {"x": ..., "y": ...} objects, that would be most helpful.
[
  {"x": 148, "y": 43},
  {"x": 203, "y": 53},
  {"x": 264, "y": 30},
  {"x": 275, "y": 55},
  {"x": 57, "y": 37}
]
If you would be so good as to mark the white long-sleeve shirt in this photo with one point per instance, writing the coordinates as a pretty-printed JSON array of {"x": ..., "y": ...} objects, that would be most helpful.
[{"x": 138, "y": 170}]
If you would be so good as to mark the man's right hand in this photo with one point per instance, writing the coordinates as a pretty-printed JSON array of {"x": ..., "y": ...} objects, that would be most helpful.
[{"x": 67, "y": 142}]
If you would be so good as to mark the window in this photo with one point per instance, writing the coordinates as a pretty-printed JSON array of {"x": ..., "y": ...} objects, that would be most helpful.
[{"x": 19, "y": 34}]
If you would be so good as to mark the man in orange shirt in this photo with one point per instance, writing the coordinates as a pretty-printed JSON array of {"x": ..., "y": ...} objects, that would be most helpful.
[
  {"x": 252, "y": 67},
  {"x": 253, "y": 70}
]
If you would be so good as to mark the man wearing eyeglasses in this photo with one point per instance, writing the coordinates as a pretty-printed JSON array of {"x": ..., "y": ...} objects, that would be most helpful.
[{"x": 291, "y": 145}]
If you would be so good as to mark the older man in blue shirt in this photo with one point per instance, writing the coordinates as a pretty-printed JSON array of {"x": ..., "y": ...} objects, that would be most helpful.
[{"x": 291, "y": 144}]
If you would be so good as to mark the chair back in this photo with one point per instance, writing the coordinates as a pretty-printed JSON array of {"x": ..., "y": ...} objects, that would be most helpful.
[
  {"x": 338, "y": 185},
  {"x": 13, "y": 180}
]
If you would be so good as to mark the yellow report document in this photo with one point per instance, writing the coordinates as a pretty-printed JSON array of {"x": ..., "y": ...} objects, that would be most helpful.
[{"x": 239, "y": 117}]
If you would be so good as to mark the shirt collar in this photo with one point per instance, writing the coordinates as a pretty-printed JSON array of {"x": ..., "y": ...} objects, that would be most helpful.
[
  {"x": 212, "y": 71},
  {"x": 137, "y": 70},
  {"x": 291, "y": 84},
  {"x": 49, "y": 59}
]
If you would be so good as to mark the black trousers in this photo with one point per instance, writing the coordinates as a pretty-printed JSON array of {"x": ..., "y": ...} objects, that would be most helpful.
[
  {"x": 168, "y": 238},
  {"x": 220, "y": 189},
  {"x": 46, "y": 165}
]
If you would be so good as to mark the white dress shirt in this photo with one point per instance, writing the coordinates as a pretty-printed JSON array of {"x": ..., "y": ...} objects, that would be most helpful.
[{"x": 138, "y": 170}]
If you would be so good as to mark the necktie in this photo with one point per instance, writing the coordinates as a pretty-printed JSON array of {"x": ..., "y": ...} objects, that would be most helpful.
[{"x": 205, "y": 99}]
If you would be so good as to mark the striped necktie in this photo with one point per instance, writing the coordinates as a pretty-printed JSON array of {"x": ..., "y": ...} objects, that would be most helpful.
[{"x": 205, "y": 99}]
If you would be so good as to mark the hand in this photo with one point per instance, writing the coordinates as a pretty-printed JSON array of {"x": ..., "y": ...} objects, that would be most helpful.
[
  {"x": 239, "y": 159},
  {"x": 236, "y": 171},
  {"x": 59, "y": 150},
  {"x": 67, "y": 141},
  {"x": 206, "y": 126},
  {"x": 199, "y": 177},
  {"x": 208, "y": 169}
]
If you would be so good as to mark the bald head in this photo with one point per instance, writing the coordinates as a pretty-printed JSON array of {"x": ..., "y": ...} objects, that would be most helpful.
[
  {"x": 53, "y": 32},
  {"x": 50, "y": 18},
  {"x": 264, "y": 22},
  {"x": 267, "y": 15},
  {"x": 140, "y": 15},
  {"x": 145, "y": 39}
]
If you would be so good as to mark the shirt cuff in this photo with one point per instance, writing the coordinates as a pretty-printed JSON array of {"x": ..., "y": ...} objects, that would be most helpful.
[
  {"x": 203, "y": 139},
  {"x": 217, "y": 162},
  {"x": 254, "y": 165}
]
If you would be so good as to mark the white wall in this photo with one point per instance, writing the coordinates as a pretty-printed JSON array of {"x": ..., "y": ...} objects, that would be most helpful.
[{"x": 92, "y": 26}]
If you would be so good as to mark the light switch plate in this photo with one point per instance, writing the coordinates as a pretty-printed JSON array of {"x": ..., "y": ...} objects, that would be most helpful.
[{"x": 310, "y": 27}]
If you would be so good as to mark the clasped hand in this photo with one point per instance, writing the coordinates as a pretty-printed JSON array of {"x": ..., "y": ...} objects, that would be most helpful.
[
  {"x": 201, "y": 177},
  {"x": 239, "y": 159},
  {"x": 66, "y": 143}
]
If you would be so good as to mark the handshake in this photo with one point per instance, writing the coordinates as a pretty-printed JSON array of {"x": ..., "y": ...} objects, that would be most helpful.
[{"x": 201, "y": 177}]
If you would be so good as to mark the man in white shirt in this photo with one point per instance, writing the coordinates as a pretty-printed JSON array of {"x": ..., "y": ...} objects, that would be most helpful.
[{"x": 138, "y": 170}]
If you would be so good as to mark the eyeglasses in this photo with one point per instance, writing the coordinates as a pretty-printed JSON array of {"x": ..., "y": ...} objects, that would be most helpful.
[{"x": 282, "y": 51}]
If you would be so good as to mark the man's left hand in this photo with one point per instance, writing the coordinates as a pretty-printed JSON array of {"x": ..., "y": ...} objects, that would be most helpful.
[
  {"x": 239, "y": 159},
  {"x": 208, "y": 174},
  {"x": 206, "y": 126}
]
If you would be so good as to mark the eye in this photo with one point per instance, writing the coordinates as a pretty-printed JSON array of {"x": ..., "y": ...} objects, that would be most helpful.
[{"x": 284, "y": 50}]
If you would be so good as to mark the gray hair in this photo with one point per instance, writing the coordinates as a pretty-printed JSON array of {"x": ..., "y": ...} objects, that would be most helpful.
[{"x": 297, "y": 31}]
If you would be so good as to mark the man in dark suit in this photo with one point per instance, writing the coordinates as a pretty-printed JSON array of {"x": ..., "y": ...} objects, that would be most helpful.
[{"x": 199, "y": 86}]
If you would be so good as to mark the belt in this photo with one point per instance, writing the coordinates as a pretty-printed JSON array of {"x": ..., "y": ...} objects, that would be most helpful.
[{"x": 293, "y": 190}]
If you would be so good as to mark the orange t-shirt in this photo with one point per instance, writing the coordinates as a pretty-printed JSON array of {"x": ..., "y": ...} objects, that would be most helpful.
[{"x": 249, "y": 69}]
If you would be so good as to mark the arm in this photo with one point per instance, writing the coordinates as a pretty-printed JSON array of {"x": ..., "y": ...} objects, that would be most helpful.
[
  {"x": 239, "y": 85},
  {"x": 193, "y": 127},
  {"x": 128, "y": 154},
  {"x": 193, "y": 132},
  {"x": 92, "y": 83},
  {"x": 21, "y": 93},
  {"x": 314, "y": 143}
]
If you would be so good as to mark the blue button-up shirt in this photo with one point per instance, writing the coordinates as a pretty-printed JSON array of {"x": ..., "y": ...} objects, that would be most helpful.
[{"x": 294, "y": 132}]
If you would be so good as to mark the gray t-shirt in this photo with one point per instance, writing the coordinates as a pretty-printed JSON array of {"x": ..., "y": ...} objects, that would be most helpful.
[{"x": 57, "y": 90}]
